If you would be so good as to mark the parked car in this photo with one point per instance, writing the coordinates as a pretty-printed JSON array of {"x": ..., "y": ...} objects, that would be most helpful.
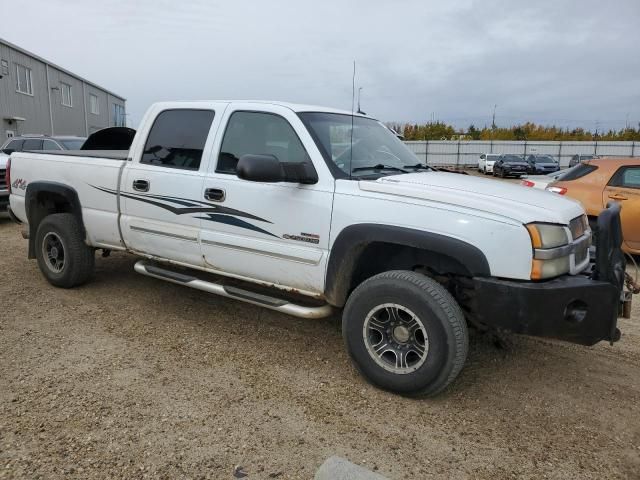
[
  {"x": 597, "y": 182},
  {"x": 576, "y": 159},
  {"x": 253, "y": 193},
  {"x": 486, "y": 161},
  {"x": 543, "y": 181},
  {"x": 510, "y": 166},
  {"x": 42, "y": 142},
  {"x": 542, "y": 164}
]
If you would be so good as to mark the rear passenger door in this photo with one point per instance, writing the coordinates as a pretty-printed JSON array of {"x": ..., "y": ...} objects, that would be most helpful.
[
  {"x": 161, "y": 190},
  {"x": 274, "y": 232}
]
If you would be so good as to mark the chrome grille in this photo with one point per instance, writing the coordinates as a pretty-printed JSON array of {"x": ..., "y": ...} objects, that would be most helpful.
[
  {"x": 3, "y": 174},
  {"x": 578, "y": 226}
]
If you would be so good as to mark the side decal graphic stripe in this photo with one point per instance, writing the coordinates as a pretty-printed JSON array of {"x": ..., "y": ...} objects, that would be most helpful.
[
  {"x": 236, "y": 222},
  {"x": 206, "y": 208}
]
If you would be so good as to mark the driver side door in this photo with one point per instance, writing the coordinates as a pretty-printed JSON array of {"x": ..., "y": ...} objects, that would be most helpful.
[{"x": 277, "y": 233}]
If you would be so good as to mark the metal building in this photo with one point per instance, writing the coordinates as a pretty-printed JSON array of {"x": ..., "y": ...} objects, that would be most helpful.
[{"x": 39, "y": 97}]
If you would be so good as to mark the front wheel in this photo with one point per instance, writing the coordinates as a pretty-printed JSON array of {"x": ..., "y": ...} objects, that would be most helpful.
[
  {"x": 63, "y": 257},
  {"x": 405, "y": 333}
]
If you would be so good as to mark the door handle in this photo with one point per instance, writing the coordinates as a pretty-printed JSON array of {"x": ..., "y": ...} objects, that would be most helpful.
[
  {"x": 214, "y": 194},
  {"x": 617, "y": 196},
  {"x": 141, "y": 185}
]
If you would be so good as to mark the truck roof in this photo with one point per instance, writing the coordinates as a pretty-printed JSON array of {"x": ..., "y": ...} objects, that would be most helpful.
[{"x": 296, "y": 107}]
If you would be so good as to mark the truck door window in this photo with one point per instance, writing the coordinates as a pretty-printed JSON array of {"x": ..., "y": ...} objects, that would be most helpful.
[
  {"x": 258, "y": 133},
  {"x": 177, "y": 138}
]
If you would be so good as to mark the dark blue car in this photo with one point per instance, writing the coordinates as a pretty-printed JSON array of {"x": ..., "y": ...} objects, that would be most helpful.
[{"x": 542, "y": 164}]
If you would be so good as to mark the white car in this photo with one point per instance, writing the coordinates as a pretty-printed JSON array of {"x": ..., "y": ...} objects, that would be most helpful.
[
  {"x": 486, "y": 161},
  {"x": 541, "y": 182},
  {"x": 261, "y": 202}
]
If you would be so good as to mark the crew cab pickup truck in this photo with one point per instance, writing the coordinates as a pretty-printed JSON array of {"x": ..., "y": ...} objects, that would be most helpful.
[{"x": 306, "y": 210}]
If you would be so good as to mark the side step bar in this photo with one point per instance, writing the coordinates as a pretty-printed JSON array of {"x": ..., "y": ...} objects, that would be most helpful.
[{"x": 236, "y": 293}]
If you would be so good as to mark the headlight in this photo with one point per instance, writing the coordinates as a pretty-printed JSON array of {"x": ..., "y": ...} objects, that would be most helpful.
[
  {"x": 549, "y": 257},
  {"x": 544, "y": 235}
]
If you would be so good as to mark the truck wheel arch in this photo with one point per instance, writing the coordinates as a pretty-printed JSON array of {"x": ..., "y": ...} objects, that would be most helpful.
[
  {"x": 46, "y": 198},
  {"x": 352, "y": 242}
]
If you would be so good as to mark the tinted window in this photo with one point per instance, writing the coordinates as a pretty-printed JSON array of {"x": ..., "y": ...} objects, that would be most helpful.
[
  {"x": 177, "y": 138},
  {"x": 258, "y": 133},
  {"x": 72, "y": 144},
  {"x": 50, "y": 145},
  {"x": 15, "y": 145},
  {"x": 579, "y": 171},
  {"x": 32, "y": 144},
  {"x": 627, "y": 177},
  {"x": 512, "y": 159}
]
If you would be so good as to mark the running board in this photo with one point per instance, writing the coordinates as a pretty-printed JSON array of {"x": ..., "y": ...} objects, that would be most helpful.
[{"x": 229, "y": 291}]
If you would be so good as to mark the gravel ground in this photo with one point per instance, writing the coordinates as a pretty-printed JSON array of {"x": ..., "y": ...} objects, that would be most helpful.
[{"x": 130, "y": 377}]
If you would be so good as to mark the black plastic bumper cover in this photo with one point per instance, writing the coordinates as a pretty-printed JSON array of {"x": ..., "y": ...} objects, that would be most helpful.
[
  {"x": 575, "y": 309},
  {"x": 579, "y": 309}
]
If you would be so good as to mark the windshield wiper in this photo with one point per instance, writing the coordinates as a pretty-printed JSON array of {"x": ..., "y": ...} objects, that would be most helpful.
[
  {"x": 380, "y": 166},
  {"x": 418, "y": 166}
]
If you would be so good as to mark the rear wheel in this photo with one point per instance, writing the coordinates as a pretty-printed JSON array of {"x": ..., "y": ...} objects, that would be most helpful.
[
  {"x": 63, "y": 257},
  {"x": 405, "y": 333}
]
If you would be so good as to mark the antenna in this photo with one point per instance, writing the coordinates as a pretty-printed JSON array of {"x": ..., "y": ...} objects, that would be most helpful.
[{"x": 353, "y": 101}]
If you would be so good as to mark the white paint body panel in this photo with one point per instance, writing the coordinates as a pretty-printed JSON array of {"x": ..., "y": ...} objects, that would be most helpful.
[{"x": 485, "y": 213}]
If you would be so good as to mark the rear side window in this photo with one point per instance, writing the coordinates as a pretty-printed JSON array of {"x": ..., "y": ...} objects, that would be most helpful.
[
  {"x": 177, "y": 139},
  {"x": 579, "y": 171},
  {"x": 32, "y": 144},
  {"x": 15, "y": 145},
  {"x": 258, "y": 133},
  {"x": 626, "y": 177}
]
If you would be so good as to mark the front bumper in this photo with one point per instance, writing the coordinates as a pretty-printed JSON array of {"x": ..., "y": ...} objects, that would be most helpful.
[
  {"x": 576, "y": 308},
  {"x": 580, "y": 308}
]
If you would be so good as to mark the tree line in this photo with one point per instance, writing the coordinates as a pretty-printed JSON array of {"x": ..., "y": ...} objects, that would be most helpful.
[{"x": 526, "y": 131}]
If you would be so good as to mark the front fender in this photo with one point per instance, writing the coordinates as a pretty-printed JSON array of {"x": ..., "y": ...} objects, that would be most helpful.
[{"x": 352, "y": 240}]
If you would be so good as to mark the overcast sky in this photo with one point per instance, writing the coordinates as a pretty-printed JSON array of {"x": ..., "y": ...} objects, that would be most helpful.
[{"x": 569, "y": 63}]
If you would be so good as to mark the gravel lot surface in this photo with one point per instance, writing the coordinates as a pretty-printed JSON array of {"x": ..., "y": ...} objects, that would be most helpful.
[{"x": 130, "y": 377}]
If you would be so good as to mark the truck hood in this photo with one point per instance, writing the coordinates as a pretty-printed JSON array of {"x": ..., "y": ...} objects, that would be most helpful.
[{"x": 483, "y": 195}]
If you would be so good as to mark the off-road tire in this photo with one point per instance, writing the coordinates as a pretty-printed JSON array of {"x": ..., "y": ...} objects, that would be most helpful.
[
  {"x": 79, "y": 259},
  {"x": 439, "y": 313}
]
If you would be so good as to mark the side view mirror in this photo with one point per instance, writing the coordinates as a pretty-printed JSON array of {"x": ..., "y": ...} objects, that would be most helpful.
[
  {"x": 8, "y": 151},
  {"x": 267, "y": 168}
]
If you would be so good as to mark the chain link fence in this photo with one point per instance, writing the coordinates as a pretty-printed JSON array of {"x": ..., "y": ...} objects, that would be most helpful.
[{"x": 466, "y": 153}]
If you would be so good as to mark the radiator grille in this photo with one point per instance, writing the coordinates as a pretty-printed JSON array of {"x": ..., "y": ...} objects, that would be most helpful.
[{"x": 3, "y": 174}]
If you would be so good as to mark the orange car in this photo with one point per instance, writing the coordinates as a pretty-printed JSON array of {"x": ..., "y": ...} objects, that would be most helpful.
[{"x": 599, "y": 181}]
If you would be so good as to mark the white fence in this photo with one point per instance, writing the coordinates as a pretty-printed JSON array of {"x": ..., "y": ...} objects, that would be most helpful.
[{"x": 465, "y": 153}]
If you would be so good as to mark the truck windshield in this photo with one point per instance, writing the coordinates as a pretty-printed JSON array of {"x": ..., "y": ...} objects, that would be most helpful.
[{"x": 375, "y": 150}]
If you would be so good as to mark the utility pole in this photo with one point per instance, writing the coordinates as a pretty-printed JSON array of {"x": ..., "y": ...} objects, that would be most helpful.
[
  {"x": 493, "y": 117},
  {"x": 359, "y": 90}
]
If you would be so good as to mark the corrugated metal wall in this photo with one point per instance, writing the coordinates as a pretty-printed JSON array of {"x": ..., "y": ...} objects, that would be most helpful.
[
  {"x": 36, "y": 110},
  {"x": 467, "y": 153}
]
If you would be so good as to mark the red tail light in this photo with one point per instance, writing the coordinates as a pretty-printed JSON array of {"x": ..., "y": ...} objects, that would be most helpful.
[
  {"x": 558, "y": 190},
  {"x": 527, "y": 183},
  {"x": 7, "y": 176}
]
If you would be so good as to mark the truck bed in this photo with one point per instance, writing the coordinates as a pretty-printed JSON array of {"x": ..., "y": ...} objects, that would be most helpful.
[
  {"x": 107, "y": 154},
  {"x": 90, "y": 173}
]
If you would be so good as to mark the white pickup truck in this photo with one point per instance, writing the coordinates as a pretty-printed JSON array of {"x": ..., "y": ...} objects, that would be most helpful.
[{"x": 307, "y": 209}]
